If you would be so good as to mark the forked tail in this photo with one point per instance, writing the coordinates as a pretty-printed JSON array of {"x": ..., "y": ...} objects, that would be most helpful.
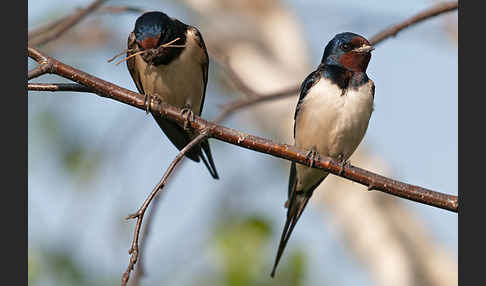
[
  {"x": 297, "y": 204},
  {"x": 208, "y": 159}
]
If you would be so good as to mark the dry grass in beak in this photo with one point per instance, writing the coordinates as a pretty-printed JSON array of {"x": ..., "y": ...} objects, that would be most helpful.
[
  {"x": 364, "y": 49},
  {"x": 121, "y": 53},
  {"x": 154, "y": 51}
]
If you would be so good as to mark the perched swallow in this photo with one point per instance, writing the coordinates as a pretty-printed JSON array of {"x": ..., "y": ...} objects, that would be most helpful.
[
  {"x": 331, "y": 118},
  {"x": 177, "y": 73}
]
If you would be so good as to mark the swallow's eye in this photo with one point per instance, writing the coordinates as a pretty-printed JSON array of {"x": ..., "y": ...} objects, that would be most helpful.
[{"x": 346, "y": 47}]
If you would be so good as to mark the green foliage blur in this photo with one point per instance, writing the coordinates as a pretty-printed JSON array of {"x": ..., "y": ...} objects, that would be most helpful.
[{"x": 241, "y": 245}]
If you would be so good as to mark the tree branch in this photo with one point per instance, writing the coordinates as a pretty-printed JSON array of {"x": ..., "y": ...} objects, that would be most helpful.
[
  {"x": 59, "y": 87},
  {"x": 134, "y": 249},
  {"x": 427, "y": 14},
  {"x": 371, "y": 180}
]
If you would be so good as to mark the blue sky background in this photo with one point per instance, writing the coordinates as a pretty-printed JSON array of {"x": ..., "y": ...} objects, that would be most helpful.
[{"x": 413, "y": 129}]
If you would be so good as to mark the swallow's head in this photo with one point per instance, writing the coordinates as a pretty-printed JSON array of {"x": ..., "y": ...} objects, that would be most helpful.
[
  {"x": 348, "y": 50},
  {"x": 153, "y": 29}
]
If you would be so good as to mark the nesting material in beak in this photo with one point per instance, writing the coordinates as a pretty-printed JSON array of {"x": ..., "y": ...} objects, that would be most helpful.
[{"x": 364, "y": 49}]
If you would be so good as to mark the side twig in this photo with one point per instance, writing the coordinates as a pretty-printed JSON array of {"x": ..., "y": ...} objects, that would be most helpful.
[
  {"x": 134, "y": 249},
  {"x": 288, "y": 152},
  {"x": 231, "y": 107},
  {"x": 224, "y": 62},
  {"x": 253, "y": 96}
]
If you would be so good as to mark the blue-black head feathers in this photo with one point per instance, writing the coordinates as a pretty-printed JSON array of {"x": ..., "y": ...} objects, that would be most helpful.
[
  {"x": 153, "y": 29},
  {"x": 348, "y": 50},
  {"x": 151, "y": 24},
  {"x": 159, "y": 26},
  {"x": 337, "y": 44}
]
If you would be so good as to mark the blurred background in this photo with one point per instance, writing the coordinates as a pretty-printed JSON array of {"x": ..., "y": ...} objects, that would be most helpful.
[{"x": 93, "y": 161}]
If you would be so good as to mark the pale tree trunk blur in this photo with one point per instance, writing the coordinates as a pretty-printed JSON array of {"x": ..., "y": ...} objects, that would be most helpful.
[
  {"x": 267, "y": 50},
  {"x": 450, "y": 25}
]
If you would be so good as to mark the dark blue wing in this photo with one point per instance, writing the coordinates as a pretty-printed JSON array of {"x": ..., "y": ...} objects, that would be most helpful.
[{"x": 309, "y": 82}]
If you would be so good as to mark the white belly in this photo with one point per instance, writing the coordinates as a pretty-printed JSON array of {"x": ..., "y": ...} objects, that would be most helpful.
[
  {"x": 180, "y": 83},
  {"x": 331, "y": 123}
]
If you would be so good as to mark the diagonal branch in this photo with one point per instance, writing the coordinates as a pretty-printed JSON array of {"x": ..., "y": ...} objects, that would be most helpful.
[
  {"x": 284, "y": 151},
  {"x": 134, "y": 249}
]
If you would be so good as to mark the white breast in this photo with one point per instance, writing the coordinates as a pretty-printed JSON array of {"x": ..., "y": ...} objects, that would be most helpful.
[
  {"x": 182, "y": 81},
  {"x": 332, "y": 123}
]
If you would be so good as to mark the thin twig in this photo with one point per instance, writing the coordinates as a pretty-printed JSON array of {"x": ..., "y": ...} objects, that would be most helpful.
[
  {"x": 224, "y": 62},
  {"x": 427, "y": 14},
  {"x": 134, "y": 249},
  {"x": 253, "y": 96},
  {"x": 119, "y": 54},
  {"x": 59, "y": 87},
  {"x": 130, "y": 56},
  {"x": 231, "y": 107},
  {"x": 288, "y": 152},
  {"x": 63, "y": 26}
]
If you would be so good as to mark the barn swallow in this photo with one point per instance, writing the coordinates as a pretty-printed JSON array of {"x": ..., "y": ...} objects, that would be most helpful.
[
  {"x": 331, "y": 118},
  {"x": 167, "y": 59}
]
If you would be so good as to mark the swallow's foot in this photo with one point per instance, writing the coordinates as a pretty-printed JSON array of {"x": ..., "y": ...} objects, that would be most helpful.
[
  {"x": 371, "y": 186},
  {"x": 311, "y": 156},
  {"x": 147, "y": 100},
  {"x": 342, "y": 163},
  {"x": 188, "y": 115}
]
